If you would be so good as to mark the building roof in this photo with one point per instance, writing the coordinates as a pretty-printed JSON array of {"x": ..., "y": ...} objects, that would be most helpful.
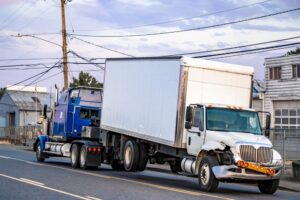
[{"x": 30, "y": 100}]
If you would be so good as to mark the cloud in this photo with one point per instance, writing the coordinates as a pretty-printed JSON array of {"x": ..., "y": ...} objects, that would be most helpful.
[{"x": 143, "y": 3}]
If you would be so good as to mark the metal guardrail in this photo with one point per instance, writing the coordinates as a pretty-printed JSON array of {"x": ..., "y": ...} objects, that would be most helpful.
[{"x": 19, "y": 134}]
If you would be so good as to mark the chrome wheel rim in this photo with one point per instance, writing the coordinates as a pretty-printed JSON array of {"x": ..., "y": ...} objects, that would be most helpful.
[
  {"x": 128, "y": 155},
  {"x": 38, "y": 151},
  {"x": 82, "y": 157},
  {"x": 73, "y": 156},
  {"x": 204, "y": 174}
]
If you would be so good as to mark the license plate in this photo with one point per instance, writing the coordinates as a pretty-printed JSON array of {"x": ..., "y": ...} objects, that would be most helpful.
[{"x": 255, "y": 167}]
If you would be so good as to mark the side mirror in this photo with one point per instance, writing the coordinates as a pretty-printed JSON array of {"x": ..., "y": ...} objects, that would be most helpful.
[
  {"x": 188, "y": 117},
  {"x": 268, "y": 124},
  {"x": 73, "y": 99},
  {"x": 189, "y": 114},
  {"x": 45, "y": 111}
]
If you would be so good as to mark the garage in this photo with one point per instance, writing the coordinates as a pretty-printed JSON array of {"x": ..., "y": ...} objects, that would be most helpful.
[{"x": 287, "y": 114}]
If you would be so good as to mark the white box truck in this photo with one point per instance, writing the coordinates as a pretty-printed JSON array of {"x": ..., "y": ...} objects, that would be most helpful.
[{"x": 192, "y": 113}]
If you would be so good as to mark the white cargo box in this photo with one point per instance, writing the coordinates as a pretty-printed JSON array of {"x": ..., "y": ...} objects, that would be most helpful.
[{"x": 146, "y": 97}]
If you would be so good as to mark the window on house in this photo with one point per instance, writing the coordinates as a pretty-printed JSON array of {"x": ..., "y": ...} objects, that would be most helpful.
[
  {"x": 287, "y": 118},
  {"x": 275, "y": 73},
  {"x": 296, "y": 71}
]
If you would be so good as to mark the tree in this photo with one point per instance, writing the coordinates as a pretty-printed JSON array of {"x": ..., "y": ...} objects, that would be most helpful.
[
  {"x": 295, "y": 51},
  {"x": 85, "y": 79},
  {"x": 2, "y": 91}
]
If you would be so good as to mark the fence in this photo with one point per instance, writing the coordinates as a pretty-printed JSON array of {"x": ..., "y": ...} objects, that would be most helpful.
[
  {"x": 19, "y": 134},
  {"x": 286, "y": 142}
]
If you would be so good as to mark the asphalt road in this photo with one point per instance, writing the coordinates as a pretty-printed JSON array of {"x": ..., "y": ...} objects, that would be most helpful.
[{"x": 21, "y": 177}]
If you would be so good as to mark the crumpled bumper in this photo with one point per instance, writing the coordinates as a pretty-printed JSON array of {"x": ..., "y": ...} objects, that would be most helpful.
[{"x": 233, "y": 172}]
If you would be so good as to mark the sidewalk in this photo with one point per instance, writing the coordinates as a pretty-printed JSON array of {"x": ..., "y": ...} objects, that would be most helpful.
[{"x": 287, "y": 181}]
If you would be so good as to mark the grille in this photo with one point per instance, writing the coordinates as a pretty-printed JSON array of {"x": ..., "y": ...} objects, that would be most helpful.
[{"x": 250, "y": 154}]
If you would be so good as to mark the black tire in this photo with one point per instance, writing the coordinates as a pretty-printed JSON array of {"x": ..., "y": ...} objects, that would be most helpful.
[
  {"x": 143, "y": 157},
  {"x": 131, "y": 156},
  {"x": 82, "y": 157},
  {"x": 75, "y": 155},
  {"x": 206, "y": 177},
  {"x": 268, "y": 186},
  {"x": 40, "y": 157}
]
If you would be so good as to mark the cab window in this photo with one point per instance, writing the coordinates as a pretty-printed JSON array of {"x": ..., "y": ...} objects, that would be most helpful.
[{"x": 198, "y": 119}]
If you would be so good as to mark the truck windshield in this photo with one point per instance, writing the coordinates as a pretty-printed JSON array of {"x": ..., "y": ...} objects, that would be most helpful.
[{"x": 222, "y": 119}]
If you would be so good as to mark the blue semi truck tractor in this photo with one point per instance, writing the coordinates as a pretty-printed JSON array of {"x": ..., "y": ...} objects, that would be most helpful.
[{"x": 73, "y": 129}]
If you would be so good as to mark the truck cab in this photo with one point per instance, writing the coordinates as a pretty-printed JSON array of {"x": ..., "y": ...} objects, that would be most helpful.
[
  {"x": 76, "y": 108},
  {"x": 234, "y": 138},
  {"x": 74, "y": 130}
]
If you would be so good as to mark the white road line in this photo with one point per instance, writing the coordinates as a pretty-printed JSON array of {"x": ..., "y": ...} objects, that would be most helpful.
[
  {"x": 35, "y": 182},
  {"x": 45, "y": 187},
  {"x": 4, "y": 157},
  {"x": 93, "y": 198},
  {"x": 33, "y": 163},
  {"x": 166, "y": 188}
]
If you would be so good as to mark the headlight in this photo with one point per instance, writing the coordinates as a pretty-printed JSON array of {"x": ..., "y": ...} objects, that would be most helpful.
[{"x": 277, "y": 160}]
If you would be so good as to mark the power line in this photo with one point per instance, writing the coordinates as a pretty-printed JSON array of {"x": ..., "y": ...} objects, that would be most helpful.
[
  {"x": 26, "y": 65},
  {"x": 85, "y": 59},
  {"x": 183, "y": 18},
  {"x": 248, "y": 50},
  {"x": 39, "y": 38},
  {"x": 100, "y": 46},
  {"x": 190, "y": 29},
  {"x": 235, "y": 47},
  {"x": 12, "y": 17},
  {"x": 34, "y": 18},
  {"x": 23, "y": 59},
  {"x": 36, "y": 75},
  {"x": 249, "y": 53}
]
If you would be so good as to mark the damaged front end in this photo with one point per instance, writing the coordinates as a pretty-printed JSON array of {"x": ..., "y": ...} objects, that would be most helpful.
[{"x": 249, "y": 161}]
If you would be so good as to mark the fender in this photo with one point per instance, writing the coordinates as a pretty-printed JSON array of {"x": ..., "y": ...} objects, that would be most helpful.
[
  {"x": 42, "y": 139},
  {"x": 208, "y": 147},
  {"x": 86, "y": 142}
]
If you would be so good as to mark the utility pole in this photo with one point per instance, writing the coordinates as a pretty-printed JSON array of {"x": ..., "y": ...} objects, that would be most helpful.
[{"x": 64, "y": 44}]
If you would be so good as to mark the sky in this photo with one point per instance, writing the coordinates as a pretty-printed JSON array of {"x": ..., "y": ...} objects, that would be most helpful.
[{"x": 39, "y": 24}]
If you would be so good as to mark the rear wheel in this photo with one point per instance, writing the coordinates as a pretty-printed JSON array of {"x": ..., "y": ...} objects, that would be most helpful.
[
  {"x": 206, "y": 177},
  {"x": 83, "y": 155},
  {"x": 131, "y": 156},
  {"x": 75, "y": 155},
  {"x": 39, "y": 154},
  {"x": 143, "y": 157},
  {"x": 269, "y": 186}
]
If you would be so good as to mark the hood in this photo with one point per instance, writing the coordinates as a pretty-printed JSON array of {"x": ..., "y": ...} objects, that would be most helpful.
[{"x": 232, "y": 138}]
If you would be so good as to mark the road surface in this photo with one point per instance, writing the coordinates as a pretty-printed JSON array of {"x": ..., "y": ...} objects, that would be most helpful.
[{"x": 21, "y": 177}]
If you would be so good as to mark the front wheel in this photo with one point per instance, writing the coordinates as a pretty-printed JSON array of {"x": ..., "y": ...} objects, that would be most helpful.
[
  {"x": 206, "y": 177},
  {"x": 39, "y": 154},
  {"x": 269, "y": 186}
]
